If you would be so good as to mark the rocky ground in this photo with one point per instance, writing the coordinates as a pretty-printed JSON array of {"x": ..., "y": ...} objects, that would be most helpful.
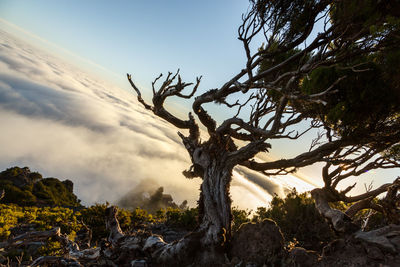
[{"x": 254, "y": 244}]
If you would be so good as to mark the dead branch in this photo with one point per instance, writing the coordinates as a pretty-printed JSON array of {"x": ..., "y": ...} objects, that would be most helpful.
[
  {"x": 362, "y": 201},
  {"x": 112, "y": 225},
  {"x": 362, "y": 205},
  {"x": 167, "y": 89},
  {"x": 339, "y": 220},
  {"x": 72, "y": 249}
]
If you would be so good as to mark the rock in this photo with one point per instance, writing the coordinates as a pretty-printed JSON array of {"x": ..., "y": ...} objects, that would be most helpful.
[
  {"x": 169, "y": 235},
  {"x": 138, "y": 263},
  {"x": 382, "y": 237},
  {"x": 356, "y": 252},
  {"x": 374, "y": 253},
  {"x": 347, "y": 252},
  {"x": 69, "y": 185},
  {"x": 235, "y": 261},
  {"x": 303, "y": 258},
  {"x": 258, "y": 243}
]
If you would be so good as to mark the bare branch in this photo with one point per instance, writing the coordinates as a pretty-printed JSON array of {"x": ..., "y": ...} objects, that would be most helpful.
[
  {"x": 316, "y": 141},
  {"x": 301, "y": 160},
  {"x": 361, "y": 205},
  {"x": 154, "y": 82},
  {"x": 248, "y": 151},
  {"x": 112, "y": 225},
  {"x": 166, "y": 90},
  {"x": 340, "y": 221},
  {"x": 139, "y": 95}
]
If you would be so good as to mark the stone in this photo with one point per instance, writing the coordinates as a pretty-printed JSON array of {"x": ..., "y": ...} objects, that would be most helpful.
[
  {"x": 138, "y": 263},
  {"x": 258, "y": 243},
  {"x": 374, "y": 253},
  {"x": 354, "y": 251},
  {"x": 303, "y": 258}
]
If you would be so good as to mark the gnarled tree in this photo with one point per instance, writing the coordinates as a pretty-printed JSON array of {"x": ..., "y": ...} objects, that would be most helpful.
[{"x": 308, "y": 70}]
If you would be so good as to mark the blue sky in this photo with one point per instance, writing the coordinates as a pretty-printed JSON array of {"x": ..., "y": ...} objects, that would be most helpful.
[{"x": 144, "y": 38}]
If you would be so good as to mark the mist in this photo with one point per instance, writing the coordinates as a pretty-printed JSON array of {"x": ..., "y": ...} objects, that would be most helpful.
[{"x": 62, "y": 122}]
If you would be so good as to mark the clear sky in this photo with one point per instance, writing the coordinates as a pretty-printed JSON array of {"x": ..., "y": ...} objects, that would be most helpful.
[{"x": 144, "y": 38}]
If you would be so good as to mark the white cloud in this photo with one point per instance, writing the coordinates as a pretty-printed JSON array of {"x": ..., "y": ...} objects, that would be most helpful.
[{"x": 64, "y": 123}]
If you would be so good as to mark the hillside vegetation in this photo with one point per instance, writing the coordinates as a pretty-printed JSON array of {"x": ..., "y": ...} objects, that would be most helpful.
[
  {"x": 32, "y": 203},
  {"x": 26, "y": 188}
]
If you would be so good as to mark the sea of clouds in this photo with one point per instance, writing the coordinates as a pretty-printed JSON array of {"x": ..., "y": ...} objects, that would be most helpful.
[{"x": 65, "y": 123}]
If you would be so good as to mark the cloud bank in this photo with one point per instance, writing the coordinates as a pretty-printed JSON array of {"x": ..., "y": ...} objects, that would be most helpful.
[{"x": 62, "y": 122}]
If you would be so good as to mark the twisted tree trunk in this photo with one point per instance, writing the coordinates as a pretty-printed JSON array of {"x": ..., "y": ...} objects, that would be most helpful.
[
  {"x": 207, "y": 244},
  {"x": 340, "y": 221},
  {"x": 215, "y": 210}
]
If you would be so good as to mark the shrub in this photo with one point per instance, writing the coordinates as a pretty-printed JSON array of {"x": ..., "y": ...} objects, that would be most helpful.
[
  {"x": 94, "y": 218},
  {"x": 239, "y": 217},
  {"x": 182, "y": 218},
  {"x": 298, "y": 219}
]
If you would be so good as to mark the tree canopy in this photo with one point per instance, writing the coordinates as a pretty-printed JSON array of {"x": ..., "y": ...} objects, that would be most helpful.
[{"x": 331, "y": 64}]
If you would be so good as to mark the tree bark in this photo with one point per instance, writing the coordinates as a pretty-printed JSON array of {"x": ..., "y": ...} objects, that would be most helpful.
[
  {"x": 207, "y": 244},
  {"x": 340, "y": 221},
  {"x": 215, "y": 210}
]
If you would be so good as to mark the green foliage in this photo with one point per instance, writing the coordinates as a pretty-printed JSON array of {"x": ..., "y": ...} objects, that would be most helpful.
[
  {"x": 70, "y": 221},
  {"x": 239, "y": 217},
  {"x": 363, "y": 71},
  {"x": 41, "y": 218},
  {"x": 140, "y": 216},
  {"x": 291, "y": 18},
  {"x": 51, "y": 248},
  {"x": 55, "y": 193},
  {"x": 47, "y": 218},
  {"x": 393, "y": 152},
  {"x": 298, "y": 219},
  {"x": 9, "y": 216},
  {"x": 182, "y": 218},
  {"x": 16, "y": 195},
  {"x": 94, "y": 218},
  {"x": 370, "y": 81},
  {"x": 26, "y": 188},
  {"x": 279, "y": 57},
  {"x": 353, "y": 16},
  {"x": 14, "y": 172},
  {"x": 349, "y": 111}
]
